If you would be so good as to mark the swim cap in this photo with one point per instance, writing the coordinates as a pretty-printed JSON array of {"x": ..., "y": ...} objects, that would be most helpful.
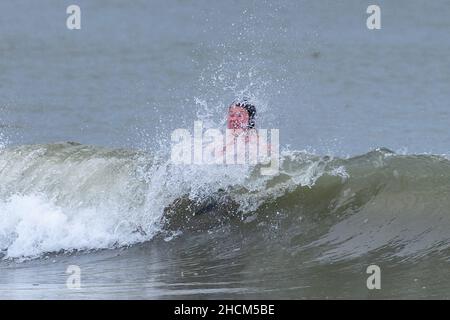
[{"x": 251, "y": 110}]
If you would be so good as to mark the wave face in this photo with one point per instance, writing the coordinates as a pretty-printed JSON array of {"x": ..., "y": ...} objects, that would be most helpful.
[{"x": 67, "y": 196}]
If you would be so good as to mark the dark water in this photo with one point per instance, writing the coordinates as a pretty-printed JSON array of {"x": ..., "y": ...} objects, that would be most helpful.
[{"x": 208, "y": 270}]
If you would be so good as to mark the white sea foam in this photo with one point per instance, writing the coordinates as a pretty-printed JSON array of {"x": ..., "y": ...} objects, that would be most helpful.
[
  {"x": 32, "y": 225},
  {"x": 74, "y": 197}
]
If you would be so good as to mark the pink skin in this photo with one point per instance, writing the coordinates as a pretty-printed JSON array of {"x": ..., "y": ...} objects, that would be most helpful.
[
  {"x": 237, "y": 118},
  {"x": 237, "y": 121}
]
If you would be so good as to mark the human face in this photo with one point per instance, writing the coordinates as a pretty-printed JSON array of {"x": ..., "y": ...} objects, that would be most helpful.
[{"x": 237, "y": 118}]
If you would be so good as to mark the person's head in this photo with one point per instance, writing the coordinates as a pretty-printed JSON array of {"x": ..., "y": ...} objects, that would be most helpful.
[{"x": 241, "y": 115}]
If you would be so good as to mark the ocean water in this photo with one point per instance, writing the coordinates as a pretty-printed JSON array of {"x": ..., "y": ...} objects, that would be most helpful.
[{"x": 86, "y": 118}]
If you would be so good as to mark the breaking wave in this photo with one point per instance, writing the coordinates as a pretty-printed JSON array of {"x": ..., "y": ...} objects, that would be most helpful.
[{"x": 70, "y": 197}]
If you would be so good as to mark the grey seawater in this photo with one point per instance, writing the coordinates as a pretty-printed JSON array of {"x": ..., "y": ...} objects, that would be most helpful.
[
  {"x": 185, "y": 270},
  {"x": 138, "y": 70}
]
